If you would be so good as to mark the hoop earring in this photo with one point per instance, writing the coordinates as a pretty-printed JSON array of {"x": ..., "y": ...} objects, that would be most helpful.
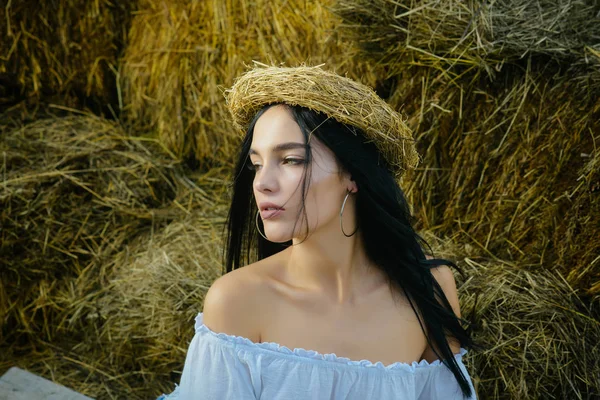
[
  {"x": 257, "y": 228},
  {"x": 341, "y": 213}
]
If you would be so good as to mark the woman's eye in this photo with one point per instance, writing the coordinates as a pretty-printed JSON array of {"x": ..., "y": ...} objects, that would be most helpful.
[
  {"x": 252, "y": 167},
  {"x": 293, "y": 161}
]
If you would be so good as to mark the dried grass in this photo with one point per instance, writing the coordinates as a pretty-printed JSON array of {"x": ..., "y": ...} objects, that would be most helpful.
[
  {"x": 338, "y": 97},
  {"x": 126, "y": 335},
  {"x": 153, "y": 296},
  {"x": 181, "y": 55},
  {"x": 539, "y": 337},
  {"x": 511, "y": 166},
  {"x": 479, "y": 36},
  {"x": 63, "y": 50},
  {"x": 75, "y": 193},
  {"x": 509, "y": 154},
  {"x": 52, "y": 167}
]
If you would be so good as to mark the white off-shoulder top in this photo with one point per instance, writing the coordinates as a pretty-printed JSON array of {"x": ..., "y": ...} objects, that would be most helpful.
[{"x": 221, "y": 366}]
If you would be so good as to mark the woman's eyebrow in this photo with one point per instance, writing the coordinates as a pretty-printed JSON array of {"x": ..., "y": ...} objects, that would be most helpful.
[{"x": 283, "y": 146}]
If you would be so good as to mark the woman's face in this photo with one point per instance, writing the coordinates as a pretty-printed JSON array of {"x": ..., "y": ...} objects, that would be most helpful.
[{"x": 277, "y": 154}]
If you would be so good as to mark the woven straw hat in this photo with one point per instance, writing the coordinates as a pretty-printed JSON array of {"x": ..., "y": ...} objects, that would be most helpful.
[{"x": 341, "y": 98}]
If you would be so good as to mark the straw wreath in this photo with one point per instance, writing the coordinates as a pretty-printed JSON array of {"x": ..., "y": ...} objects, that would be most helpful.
[{"x": 341, "y": 98}]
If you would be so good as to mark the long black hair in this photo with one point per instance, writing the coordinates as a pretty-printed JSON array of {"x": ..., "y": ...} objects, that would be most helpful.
[{"x": 382, "y": 215}]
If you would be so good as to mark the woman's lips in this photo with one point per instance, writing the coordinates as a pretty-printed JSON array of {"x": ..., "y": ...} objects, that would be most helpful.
[{"x": 268, "y": 214}]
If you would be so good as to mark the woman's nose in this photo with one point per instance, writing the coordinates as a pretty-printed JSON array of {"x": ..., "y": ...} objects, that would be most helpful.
[{"x": 265, "y": 179}]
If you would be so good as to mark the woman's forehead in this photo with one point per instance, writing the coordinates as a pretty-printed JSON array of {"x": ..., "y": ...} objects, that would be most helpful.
[
  {"x": 276, "y": 130},
  {"x": 276, "y": 125}
]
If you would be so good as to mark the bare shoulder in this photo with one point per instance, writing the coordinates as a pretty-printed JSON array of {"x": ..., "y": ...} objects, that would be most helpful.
[
  {"x": 231, "y": 305},
  {"x": 445, "y": 278}
]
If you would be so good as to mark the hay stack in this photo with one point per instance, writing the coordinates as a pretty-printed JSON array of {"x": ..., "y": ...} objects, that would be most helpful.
[
  {"x": 128, "y": 332},
  {"x": 77, "y": 194},
  {"x": 509, "y": 154},
  {"x": 512, "y": 169},
  {"x": 74, "y": 192},
  {"x": 117, "y": 246},
  {"x": 478, "y": 36},
  {"x": 182, "y": 55},
  {"x": 64, "y": 51},
  {"x": 538, "y": 339},
  {"x": 158, "y": 286}
]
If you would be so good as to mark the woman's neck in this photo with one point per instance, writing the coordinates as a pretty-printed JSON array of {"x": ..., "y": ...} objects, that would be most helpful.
[{"x": 333, "y": 266}]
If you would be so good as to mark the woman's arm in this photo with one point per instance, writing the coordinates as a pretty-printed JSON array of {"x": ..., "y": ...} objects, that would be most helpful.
[
  {"x": 445, "y": 278},
  {"x": 215, "y": 369},
  {"x": 232, "y": 306}
]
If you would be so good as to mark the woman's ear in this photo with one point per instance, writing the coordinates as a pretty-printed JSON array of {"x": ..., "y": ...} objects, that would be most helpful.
[{"x": 352, "y": 187}]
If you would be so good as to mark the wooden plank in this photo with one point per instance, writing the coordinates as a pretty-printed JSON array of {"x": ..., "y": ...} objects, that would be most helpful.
[{"x": 18, "y": 384}]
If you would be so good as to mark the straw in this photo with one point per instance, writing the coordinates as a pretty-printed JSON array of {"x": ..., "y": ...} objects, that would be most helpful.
[{"x": 338, "y": 97}]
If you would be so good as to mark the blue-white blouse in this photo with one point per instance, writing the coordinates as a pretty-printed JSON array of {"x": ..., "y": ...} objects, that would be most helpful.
[{"x": 221, "y": 366}]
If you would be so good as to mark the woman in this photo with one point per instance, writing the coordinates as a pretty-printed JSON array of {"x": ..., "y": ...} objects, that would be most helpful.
[{"x": 341, "y": 276}]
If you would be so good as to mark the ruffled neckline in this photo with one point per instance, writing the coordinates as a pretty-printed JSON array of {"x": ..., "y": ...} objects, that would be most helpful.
[{"x": 315, "y": 355}]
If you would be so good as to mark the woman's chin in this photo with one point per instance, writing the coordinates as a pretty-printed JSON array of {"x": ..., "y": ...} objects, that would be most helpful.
[{"x": 278, "y": 237}]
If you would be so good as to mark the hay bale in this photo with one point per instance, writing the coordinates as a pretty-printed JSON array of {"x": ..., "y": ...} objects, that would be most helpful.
[
  {"x": 539, "y": 338},
  {"x": 74, "y": 191},
  {"x": 77, "y": 193},
  {"x": 128, "y": 333},
  {"x": 181, "y": 55},
  {"x": 508, "y": 153},
  {"x": 66, "y": 50},
  {"x": 511, "y": 167},
  {"x": 480, "y": 36},
  {"x": 158, "y": 286}
]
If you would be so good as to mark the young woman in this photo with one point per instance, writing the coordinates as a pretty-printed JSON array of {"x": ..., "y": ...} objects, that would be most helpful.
[{"x": 342, "y": 302}]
